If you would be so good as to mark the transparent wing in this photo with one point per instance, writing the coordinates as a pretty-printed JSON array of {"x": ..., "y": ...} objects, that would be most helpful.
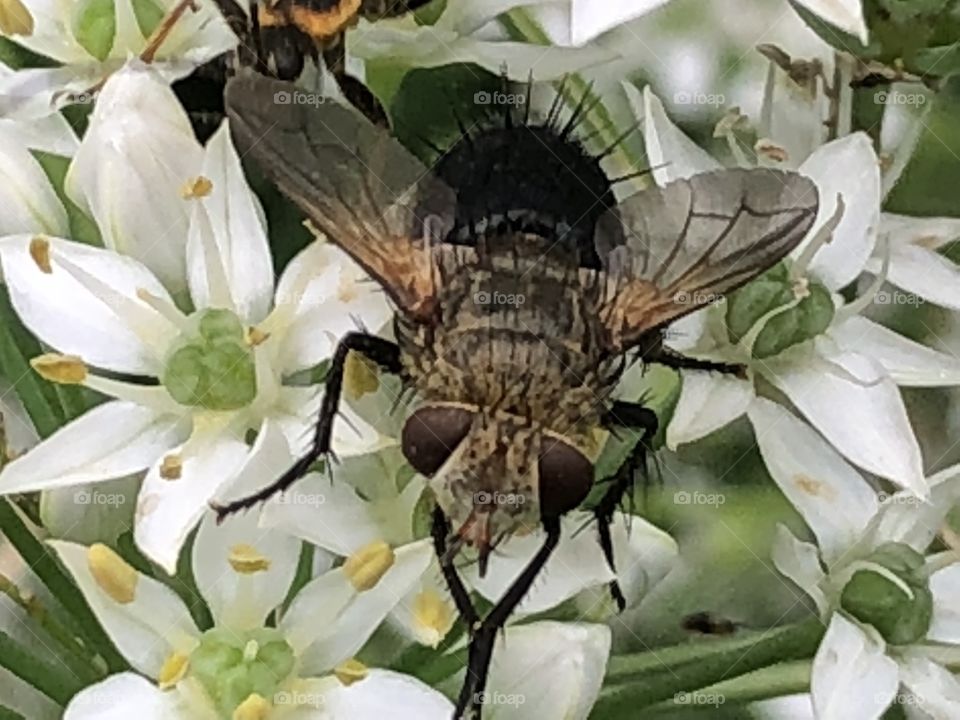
[
  {"x": 668, "y": 251},
  {"x": 354, "y": 181}
]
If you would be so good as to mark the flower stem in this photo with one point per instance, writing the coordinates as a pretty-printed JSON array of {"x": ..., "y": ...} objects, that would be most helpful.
[
  {"x": 42, "y": 562},
  {"x": 56, "y": 682},
  {"x": 642, "y": 679}
]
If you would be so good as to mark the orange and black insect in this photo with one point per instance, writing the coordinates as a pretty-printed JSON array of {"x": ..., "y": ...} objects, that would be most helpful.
[
  {"x": 508, "y": 394},
  {"x": 277, "y": 38}
]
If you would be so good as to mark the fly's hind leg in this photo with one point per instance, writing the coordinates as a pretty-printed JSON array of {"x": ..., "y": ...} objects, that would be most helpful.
[
  {"x": 384, "y": 353},
  {"x": 636, "y": 417}
]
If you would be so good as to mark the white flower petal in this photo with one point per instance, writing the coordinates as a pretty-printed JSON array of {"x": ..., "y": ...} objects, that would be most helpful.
[
  {"x": 242, "y": 600},
  {"x": 670, "y": 153},
  {"x": 833, "y": 498},
  {"x": 384, "y": 693},
  {"x": 578, "y": 563},
  {"x": 922, "y": 272},
  {"x": 135, "y": 158},
  {"x": 328, "y": 514},
  {"x": 168, "y": 509},
  {"x": 333, "y": 642},
  {"x": 857, "y": 407},
  {"x": 851, "y": 670},
  {"x": 17, "y": 694},
  {"x": 909, "y": 363},
  {"x": 708, "y": 401},
  {"x": 902, "y": 125},
  {"x": 842, "y": 260},
  {"x": 147, "y": 629},
  {"x": 322, "y": 295},
  {"x": 945, "y": 586},
  {"x": 928, "y": 232},
  {"x": 844, "y": 14},
  {"x": 20, "y": 431},
  {"x": 88, "y": 304},
  {"x": 436, "y": 46},
  {"x": 29, "y": 201},
  {"x": 228, "y": 238},
  {"x": 89, "y": 513},
  {"x": 935, "y": 689},
  {"x": 799, "y": 561},
  {"x": 792, "y": 116},
  {"x": 127, "y": 695},
  {"x": 82, "y": 452},
  {"x": 590, "y": 18},
  {"x": 547, "y": 670}
]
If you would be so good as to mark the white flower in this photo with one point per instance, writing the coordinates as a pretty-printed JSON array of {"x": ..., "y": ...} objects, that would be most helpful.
[
  {"x": 844, "y": 376},
  {"x": 240, "y": 668},
  {"x": 217, "y": 373},
  {"x": 30, "y": 204},
  {"x": 856, "y": 536},
  {"x": 91, "y": 39},
  {"x": 466, "y": 32}
]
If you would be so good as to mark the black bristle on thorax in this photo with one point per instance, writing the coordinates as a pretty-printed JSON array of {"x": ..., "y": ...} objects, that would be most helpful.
[{"x": 516, "y": 175}]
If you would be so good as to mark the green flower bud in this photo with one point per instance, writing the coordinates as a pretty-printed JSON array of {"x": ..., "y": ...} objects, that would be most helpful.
[
  {"x": 213, "y": 368},
  {"x": 94, "y": 26},
  {"x": 900, "y": 614},
  {"x": 231, "y": 666},
  {"x": 772, "y": 290}
]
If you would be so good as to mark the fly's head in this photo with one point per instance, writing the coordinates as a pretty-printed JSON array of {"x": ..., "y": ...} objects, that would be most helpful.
[{"x": 493, "y": 474}]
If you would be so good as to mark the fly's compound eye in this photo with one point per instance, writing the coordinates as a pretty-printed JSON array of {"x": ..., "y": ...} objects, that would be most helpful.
[
  {"x": 431, "y": 435},
  {"x": 566, "y": 477}
]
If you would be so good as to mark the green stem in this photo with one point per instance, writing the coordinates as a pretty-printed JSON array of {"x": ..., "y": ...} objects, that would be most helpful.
[
  {"x": 773, "y": 681},
  {"x": 42, "y": 562},
  {"x": 520, "y": 26},
  {"x": 73, "y": 656},
  {"x": 54, "y": 681},
  {"x": 636, "y": 681},
  {"x": 9, "y": 714}
]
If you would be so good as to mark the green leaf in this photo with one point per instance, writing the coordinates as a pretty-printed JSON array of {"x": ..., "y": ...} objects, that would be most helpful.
[
  {"x": 17, "y": 346},
  {"x": 8, "y": 714},
  {"x": 54, "y": 681},
  {"x": 42, "y": 562},
  {"x": 82, "y": 228}
]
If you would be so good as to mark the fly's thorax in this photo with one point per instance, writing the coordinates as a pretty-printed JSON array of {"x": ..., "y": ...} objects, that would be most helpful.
[{"x": 494, "y": 473}]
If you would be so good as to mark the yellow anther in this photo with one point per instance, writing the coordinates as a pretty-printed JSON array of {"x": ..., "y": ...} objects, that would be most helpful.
[
  {"x": 112, "y": 573},
  {"x": 359, "y": 376},
  {"x": 433, "y": 616},
  {"x": 368, "y": 564},
  {"x": 350, "y": 671},
  {"x": 173, "y": 671},
  {"x": 255, "y": 707},
  {"x": 198, "y": 187},
  {"x": 256, "y": 336},
  {"x": 63, "y": 369},
  {"x": 40, "y": 251},
  {"x": 15, "y": 18},
  {"x": 247, "y": 560},
  {"x": 172, "y": 467}
]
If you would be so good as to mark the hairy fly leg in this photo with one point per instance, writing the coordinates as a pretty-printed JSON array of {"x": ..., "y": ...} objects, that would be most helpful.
[
  {"x": 637, "y": 417},
  {"x": 384, "y": 353},
  {"x": 461, "y": 596},
  {"x": 484, "y": 635}
]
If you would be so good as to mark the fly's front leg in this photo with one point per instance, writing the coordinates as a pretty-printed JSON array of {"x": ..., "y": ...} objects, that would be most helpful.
[
  {"x": 636, "y": 417},
  {"x": 470, "y": 700},
  {"x": 384, "y": 353}
]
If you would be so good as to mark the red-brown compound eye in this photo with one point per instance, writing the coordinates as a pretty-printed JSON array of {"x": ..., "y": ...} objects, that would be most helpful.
[
  {"x": 431, "y": 435},
  {"x": 566, "y": 477}
]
